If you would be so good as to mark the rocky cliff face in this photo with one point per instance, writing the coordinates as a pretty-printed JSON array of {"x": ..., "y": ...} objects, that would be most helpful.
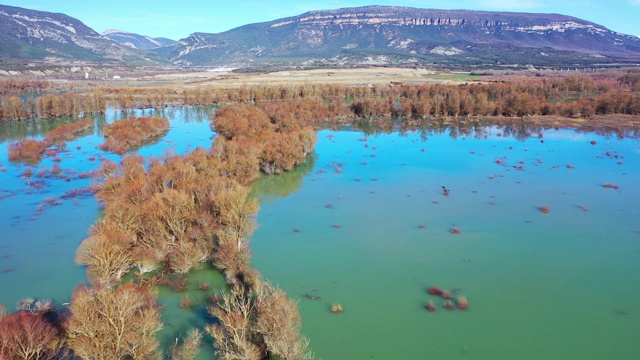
[
  {"x": 389, "y": 35},
  {"x": 36, "y": 35}
]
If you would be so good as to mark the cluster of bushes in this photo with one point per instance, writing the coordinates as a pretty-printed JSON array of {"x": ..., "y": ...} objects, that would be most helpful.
[
  {"x": 26, "y": 149},
  {"x": 273, "y": 139},
  {"x": 173, "y": 214},
  {"x": 13, "y": 108},
  {"x": 68, "y": 132},
  {"x": 31, "y": 150},
  {"x": 189, "y": 209},
  {"x": 168, "y": 214},
  {"x": 572, "y": 97},
  {"x": 632, "y": 80},
  {"x": 126, "y": 134},
  {"x": 258, "y": 324},
  {"x": 102, "y": 323}
]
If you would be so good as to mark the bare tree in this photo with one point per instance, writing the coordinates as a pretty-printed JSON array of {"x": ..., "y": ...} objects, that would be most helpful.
[
  {"x": 278, "y": 322},
  {"x": 232, "y": 332},
  {"x": 114, "y": 324},
  {"x": 28, "y": 336},
  {"x": 189, "y": 348}
]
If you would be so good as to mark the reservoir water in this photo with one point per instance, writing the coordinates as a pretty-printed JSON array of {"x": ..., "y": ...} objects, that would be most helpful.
[{"x": 548, "y": 258}]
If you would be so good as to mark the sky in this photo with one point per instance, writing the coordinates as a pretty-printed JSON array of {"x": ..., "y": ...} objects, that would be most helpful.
[{"x": 177, "y": 19}]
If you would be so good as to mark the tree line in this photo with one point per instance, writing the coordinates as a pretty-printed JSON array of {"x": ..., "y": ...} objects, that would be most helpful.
[
  {"x": 23, "y": 86},
  {"x": 570, "y": 96}
]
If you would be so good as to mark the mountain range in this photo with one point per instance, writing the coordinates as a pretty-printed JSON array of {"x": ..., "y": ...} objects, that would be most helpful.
[
  {"x": 136, "y": 41},
  {"x": 54, "y": 38},
  {"x": 371, "y": 35}
]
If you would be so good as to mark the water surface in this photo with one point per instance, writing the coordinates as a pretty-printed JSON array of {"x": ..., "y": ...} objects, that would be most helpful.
[
  {"x": 364, "y": 223},
  {"x": 554, "y": 286}
]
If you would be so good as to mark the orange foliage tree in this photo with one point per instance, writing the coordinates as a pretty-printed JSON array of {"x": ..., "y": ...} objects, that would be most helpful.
[
  {"x": 27, "y": 336},
  {"x": 125, "y": 134},
  {"x": 31, "y": 150},
  {"x": 27, "y": 149},
  {"x": 257, "y": 324},
  {"x": 114, "y": 323},
  {"x": 68, "y": 132},
  {"x": 13, "y": 108},
  {"x": 107, "y": 252}
]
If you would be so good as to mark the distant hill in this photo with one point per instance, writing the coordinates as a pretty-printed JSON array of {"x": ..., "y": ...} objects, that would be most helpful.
[
  {"x": 380, "y": 35},
  {"x": 37, "y": 35},
  {"x": 136, "y": 41}
]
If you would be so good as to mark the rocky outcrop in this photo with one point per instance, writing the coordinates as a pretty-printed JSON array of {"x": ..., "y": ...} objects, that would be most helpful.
[{"x": 402, "y": 35}]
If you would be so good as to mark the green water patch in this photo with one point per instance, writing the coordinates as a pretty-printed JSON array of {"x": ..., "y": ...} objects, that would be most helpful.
[
  {"x": 375, "y": 235},
  {"x": 202, "y": 285}
]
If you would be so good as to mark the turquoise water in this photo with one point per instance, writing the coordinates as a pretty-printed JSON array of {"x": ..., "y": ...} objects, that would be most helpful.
[
  {"x": 561, "y": 285},
  {"x": 373, "y": 233},
  {"x": 38, "y": 250}
]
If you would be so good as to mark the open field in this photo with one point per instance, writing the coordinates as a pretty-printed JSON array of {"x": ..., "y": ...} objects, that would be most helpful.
[
  {"x": 373, "y": 76},
  {"x": 73, "y": 78},
  {"x": 226, "y": 78}
]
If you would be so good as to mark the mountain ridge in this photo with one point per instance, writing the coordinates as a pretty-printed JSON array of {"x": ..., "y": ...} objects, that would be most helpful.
[
  {"x": 347, "y": 37},
  {"x": 409, "y": 35},
  {"x": 137, "y": 41},
  {"x": 53, "y": 37}
]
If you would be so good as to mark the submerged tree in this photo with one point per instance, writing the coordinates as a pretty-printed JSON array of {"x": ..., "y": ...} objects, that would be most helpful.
[
  {"x": 27, "y": 336},
  {"x": 257, "y": 322},
  {"x": 233, "y": 332},
  {"x": 114, "y": 323},
  {"x": 189, "y": 349},
  {"x": 278, "y": 322},
  {"x": 107, "y": 252}
]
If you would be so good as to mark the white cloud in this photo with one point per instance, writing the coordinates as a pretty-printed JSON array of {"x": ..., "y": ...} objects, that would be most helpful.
[{"x": 634, "y": 2}]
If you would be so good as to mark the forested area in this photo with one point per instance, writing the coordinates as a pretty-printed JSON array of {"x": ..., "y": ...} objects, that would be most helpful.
[{"x": 575, "y": 96}]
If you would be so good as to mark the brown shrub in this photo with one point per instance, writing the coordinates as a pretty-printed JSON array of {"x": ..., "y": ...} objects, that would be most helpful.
[
  {"x": 114, "y": 324},
  {"x": 123, "y": 135},
  {"x": 233, "y": 333},
  {"x": 278, "y": 322},
  {"x": 24, "y": 335},
  {"x": 107, "y": 252},
  {"x": 27, "y": 149},
  {"x": 187, "y": 253},
  {"x": 68, "y": 132}
]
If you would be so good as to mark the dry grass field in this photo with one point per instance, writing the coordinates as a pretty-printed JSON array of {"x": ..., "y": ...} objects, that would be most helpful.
[{"x": 355, "y": 77}]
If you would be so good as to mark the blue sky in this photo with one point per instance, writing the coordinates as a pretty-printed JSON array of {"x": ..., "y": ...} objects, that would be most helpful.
[{"x": 177, "y": 19}]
